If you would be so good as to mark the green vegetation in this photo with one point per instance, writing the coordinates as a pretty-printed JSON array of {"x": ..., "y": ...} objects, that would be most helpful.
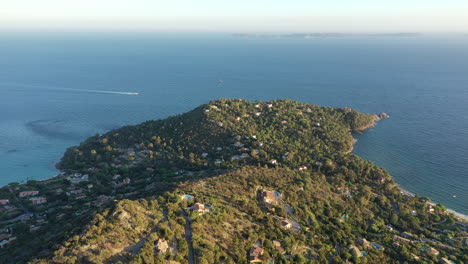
[{"x": 212, "y": 185}]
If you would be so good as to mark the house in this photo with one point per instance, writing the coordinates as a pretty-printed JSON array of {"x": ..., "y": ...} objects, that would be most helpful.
[
  {"x": 286, "y": 224},
  {"x": 273, "y": 162},
  {"x": 415, "y": 257},
  {"x": 162, "y": 246},
  {"x": 430, "y": 208},
  {"x": 402, "y": 239},
  {"x": 278, "y": 246},
  {"x": 73, "y": 192},
  {"x": 269, "y": 105},
  {"x": 432, "y": 251},
  {"x": 126, "y": 181},
  {"x": 38, "y": 200},
  {"x": 445, "y": 246},
  {"x": 255, "y": 255},
  {"x": 388, "y": 227},
  {"x": 115, "y": 177},
  {"x": 407, "y": 195},
  {"x": 28, "y": 193},
  {"x": 355, "y": 251},
  {"x": 270, "y": 196},
  {"x": 204, "y": 154},
  {"x": 4, "y": 202},
  {"x": 407, "y": 235},
  {"x": 362, "y": 242},
  {"x": 78, "y": 177},
  {"x": 200, "y": 208},
  {"x": 80, "y": 196},
  {"x": 446, "y": 261}
]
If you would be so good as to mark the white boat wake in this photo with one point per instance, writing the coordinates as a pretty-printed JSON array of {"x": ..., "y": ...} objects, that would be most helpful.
[{"x": 66, "y": 89}]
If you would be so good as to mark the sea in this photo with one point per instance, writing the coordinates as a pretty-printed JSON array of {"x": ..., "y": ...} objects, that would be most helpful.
[{"x": 57, "y": 89}]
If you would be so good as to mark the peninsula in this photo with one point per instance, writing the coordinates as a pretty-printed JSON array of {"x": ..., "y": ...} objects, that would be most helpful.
[{"x": 231, "y": 181}]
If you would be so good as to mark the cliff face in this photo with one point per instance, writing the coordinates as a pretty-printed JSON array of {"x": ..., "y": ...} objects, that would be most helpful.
[{"x": 230, "y": 182}]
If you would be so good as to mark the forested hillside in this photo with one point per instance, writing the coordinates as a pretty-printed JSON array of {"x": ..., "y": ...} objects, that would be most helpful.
[{"x": 230, "y": 182}]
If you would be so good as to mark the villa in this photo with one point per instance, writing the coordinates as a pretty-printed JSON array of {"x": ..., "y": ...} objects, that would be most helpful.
[
  {"x": 126, "y": 180},
  {"x": 432, "y": 251},
  {"x": 38, "y": 200},
  {"x": 286, "y": 224},
  {"x": 255, "y": 255},
  {"x": 270, "y": 196},
  {"x": 200, "y": 208},
  {"x": 407, "y": 235},
  {"x": 402, "y": 239},
  {"x": 28, "y": 193},
  {"x": 278, "y": 246},
  {"x": 355, "y": 251},
  {"x": 363, "y": 242}
]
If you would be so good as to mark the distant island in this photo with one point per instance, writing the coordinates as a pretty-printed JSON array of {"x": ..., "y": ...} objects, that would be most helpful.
[
  {"x": 325, "y": 35},
  {"x": 232, "y": 181}
]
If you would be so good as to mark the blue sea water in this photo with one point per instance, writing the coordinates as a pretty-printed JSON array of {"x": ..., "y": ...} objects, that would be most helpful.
[{"x": 54, "y": 92}]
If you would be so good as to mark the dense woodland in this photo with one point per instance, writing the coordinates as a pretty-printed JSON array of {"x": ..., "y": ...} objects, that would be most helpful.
[{"x": 331, "y": 206}]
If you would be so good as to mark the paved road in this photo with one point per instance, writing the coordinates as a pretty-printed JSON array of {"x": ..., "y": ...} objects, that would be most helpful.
[{"x": 188, "y": 236}]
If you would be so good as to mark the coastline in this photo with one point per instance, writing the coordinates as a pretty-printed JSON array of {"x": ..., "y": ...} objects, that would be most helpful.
[{"x": 458, "y": 215}]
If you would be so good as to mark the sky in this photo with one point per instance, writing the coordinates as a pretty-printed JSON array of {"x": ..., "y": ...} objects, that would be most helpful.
[{"x": 237, "y": 15}]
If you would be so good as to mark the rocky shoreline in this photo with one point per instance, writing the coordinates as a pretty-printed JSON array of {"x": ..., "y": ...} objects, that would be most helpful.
[{"x": 384, "y": 115}]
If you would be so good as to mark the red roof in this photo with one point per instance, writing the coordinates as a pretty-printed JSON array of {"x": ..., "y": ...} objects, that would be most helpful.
[{"x": 256, "y": 251}]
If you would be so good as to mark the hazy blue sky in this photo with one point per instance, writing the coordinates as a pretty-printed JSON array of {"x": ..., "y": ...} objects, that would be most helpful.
[{"x": 237, "y": 15}]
